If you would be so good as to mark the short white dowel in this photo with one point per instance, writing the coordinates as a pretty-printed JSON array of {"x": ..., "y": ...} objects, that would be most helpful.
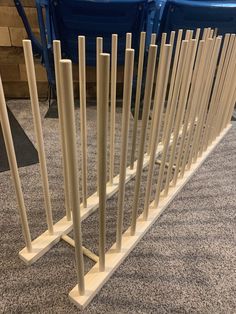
[
  {"x": 128, "y": 41},
  {"x": 29, "y": 62},
  {"x": 6, "y": 131},
  {"x": 83, "y": 118},
  {"x": 70, "y": 136}
]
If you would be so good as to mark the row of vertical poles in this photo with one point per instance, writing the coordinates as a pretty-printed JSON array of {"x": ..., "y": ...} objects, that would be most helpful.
[{"x": 195, "y": 86}]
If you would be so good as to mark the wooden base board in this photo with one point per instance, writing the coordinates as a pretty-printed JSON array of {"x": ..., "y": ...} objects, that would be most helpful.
[
  {"x": 45, "y": 241},
  {"x": 94, "y": 280}
]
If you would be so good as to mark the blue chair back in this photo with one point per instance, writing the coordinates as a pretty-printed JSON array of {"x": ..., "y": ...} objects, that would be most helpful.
[
  {"x": 71, "y": 18},
  {"x": 188, "y": 14}
]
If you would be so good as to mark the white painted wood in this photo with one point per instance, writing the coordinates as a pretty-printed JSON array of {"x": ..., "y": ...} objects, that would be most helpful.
[
  {"x": 95, "y": 279},
  {"x": 29, "y": 62},
  {"x": 57, "y": 58},
  {"x": 99, "y": 49},
  {"x": 146, "y": 108},
  {"x": 86, "y": 251},
  {"x": 137, "y": 96},
  {"x": 113, "y": 105},
  {"x": 83, "y": 118},
  {"x": 70, "y": 135},
  {"x": 174, "y": 73},
  {"x": 128, "y": 40},
  {"x": 127, "y": 93},
  {"x": 104, "y": 79},
  {"x": 160, "y": 92},
  {"x": 152, "y": 112},
  {"x": 7, "y": 135}
]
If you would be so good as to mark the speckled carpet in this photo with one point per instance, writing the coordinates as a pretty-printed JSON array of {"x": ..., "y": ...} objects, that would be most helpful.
[{"x": 186, "y": 263}]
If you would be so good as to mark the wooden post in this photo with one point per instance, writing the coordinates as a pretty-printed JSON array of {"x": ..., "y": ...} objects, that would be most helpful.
[
  {"x": 193, "y": 99},
  {"x": 160, "y": 92},
  {"x": 173, "y": 99},
  {"x": 153, "y": 39},
  {"x": 6, "y": 131},
  {"x": 70, "y": 136},
  {"x": 206, "y": 95},
  {"x": 128, "y": 40},
  {"x": 99, "y": 49},
  {"x": 173, "y": 78},
  {"x": 104, "y": 69},
  {"x": 83, "y": 119},
  {"x": 146, "y": 108},
  {"x": 57, "y": 58},
  {"x": 151, "y": 130},
  {"x": 113, "y": 105},
  {"x": 188, "y": 112},
  {"x": 29, "y": 62},
  {"x": 179, "y": 118},
  {"x": 137, "y": 96},
  {"x": 127, "y": 93},
  {"x": 213, "y": 103}
]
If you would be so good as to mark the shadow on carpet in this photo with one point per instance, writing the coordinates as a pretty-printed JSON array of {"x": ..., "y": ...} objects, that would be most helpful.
[{"x": 26, "y": 153}]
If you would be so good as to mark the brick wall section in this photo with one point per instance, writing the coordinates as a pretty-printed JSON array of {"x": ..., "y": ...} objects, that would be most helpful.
[{"x": 12, "y": 64}]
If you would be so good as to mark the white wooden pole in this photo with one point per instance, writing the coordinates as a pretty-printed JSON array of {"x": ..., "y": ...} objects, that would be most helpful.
[
  {"x": 197, "y": 98},
  {"x": 57, "y": 58},
  {"x": 173, "y": 78},
  {"x": 137, "y": 96},
  {"x": 151, "y": 130},
  {"x": 153, "y": 38},
  {"x": 113, "y": 105},
  {"x": 70, "y": 136},
  {"x": 160, "y": 92},
  {"x": 6, "y": 131},
  {"x": 174, "y": 103},
  {"x": 127, "y": 93},
  {"x": 83, "y": 119},
  {"x": 213, "y": 103},
  {"x": 29, "y": 62},
  {"x": 179, "y": 118},
  {"x": 192, "y": 101},
  {"x": 201, "y": 110},
  {"x": 128, "y": 40},
  {"x": 99, "y": 49},
  {"x": 104, "y": 67},
  {"x": 188, "y": 112},
  {"x": 146, "y": 108}
]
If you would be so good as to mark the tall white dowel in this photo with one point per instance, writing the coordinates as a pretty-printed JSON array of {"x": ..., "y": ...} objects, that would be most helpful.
[
  {"x": 173, "y": 79},
  {"x": 137, "y": 96},
  {"x": 83, "y": 119},
  {"x": 160, "y": 92},
  {"x": 29, "y": 62},
  {"x": 6, "y": 131},
  {"x": 57, "y": 58},
  {"x": 99, "y": 49},
  {"x": 127, "y": 93},
  {"x": 104, "y": 66},
  {"x": 146, "y": 108},
  {"x": 113, "y": 105},
  {"x": 70, "y": 136},
  {"x": 128, "y": 40},
  {"x": 151, "y": 130}
]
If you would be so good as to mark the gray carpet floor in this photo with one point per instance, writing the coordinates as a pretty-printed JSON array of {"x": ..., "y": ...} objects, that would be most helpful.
[{"x": 184, "y": 264}]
